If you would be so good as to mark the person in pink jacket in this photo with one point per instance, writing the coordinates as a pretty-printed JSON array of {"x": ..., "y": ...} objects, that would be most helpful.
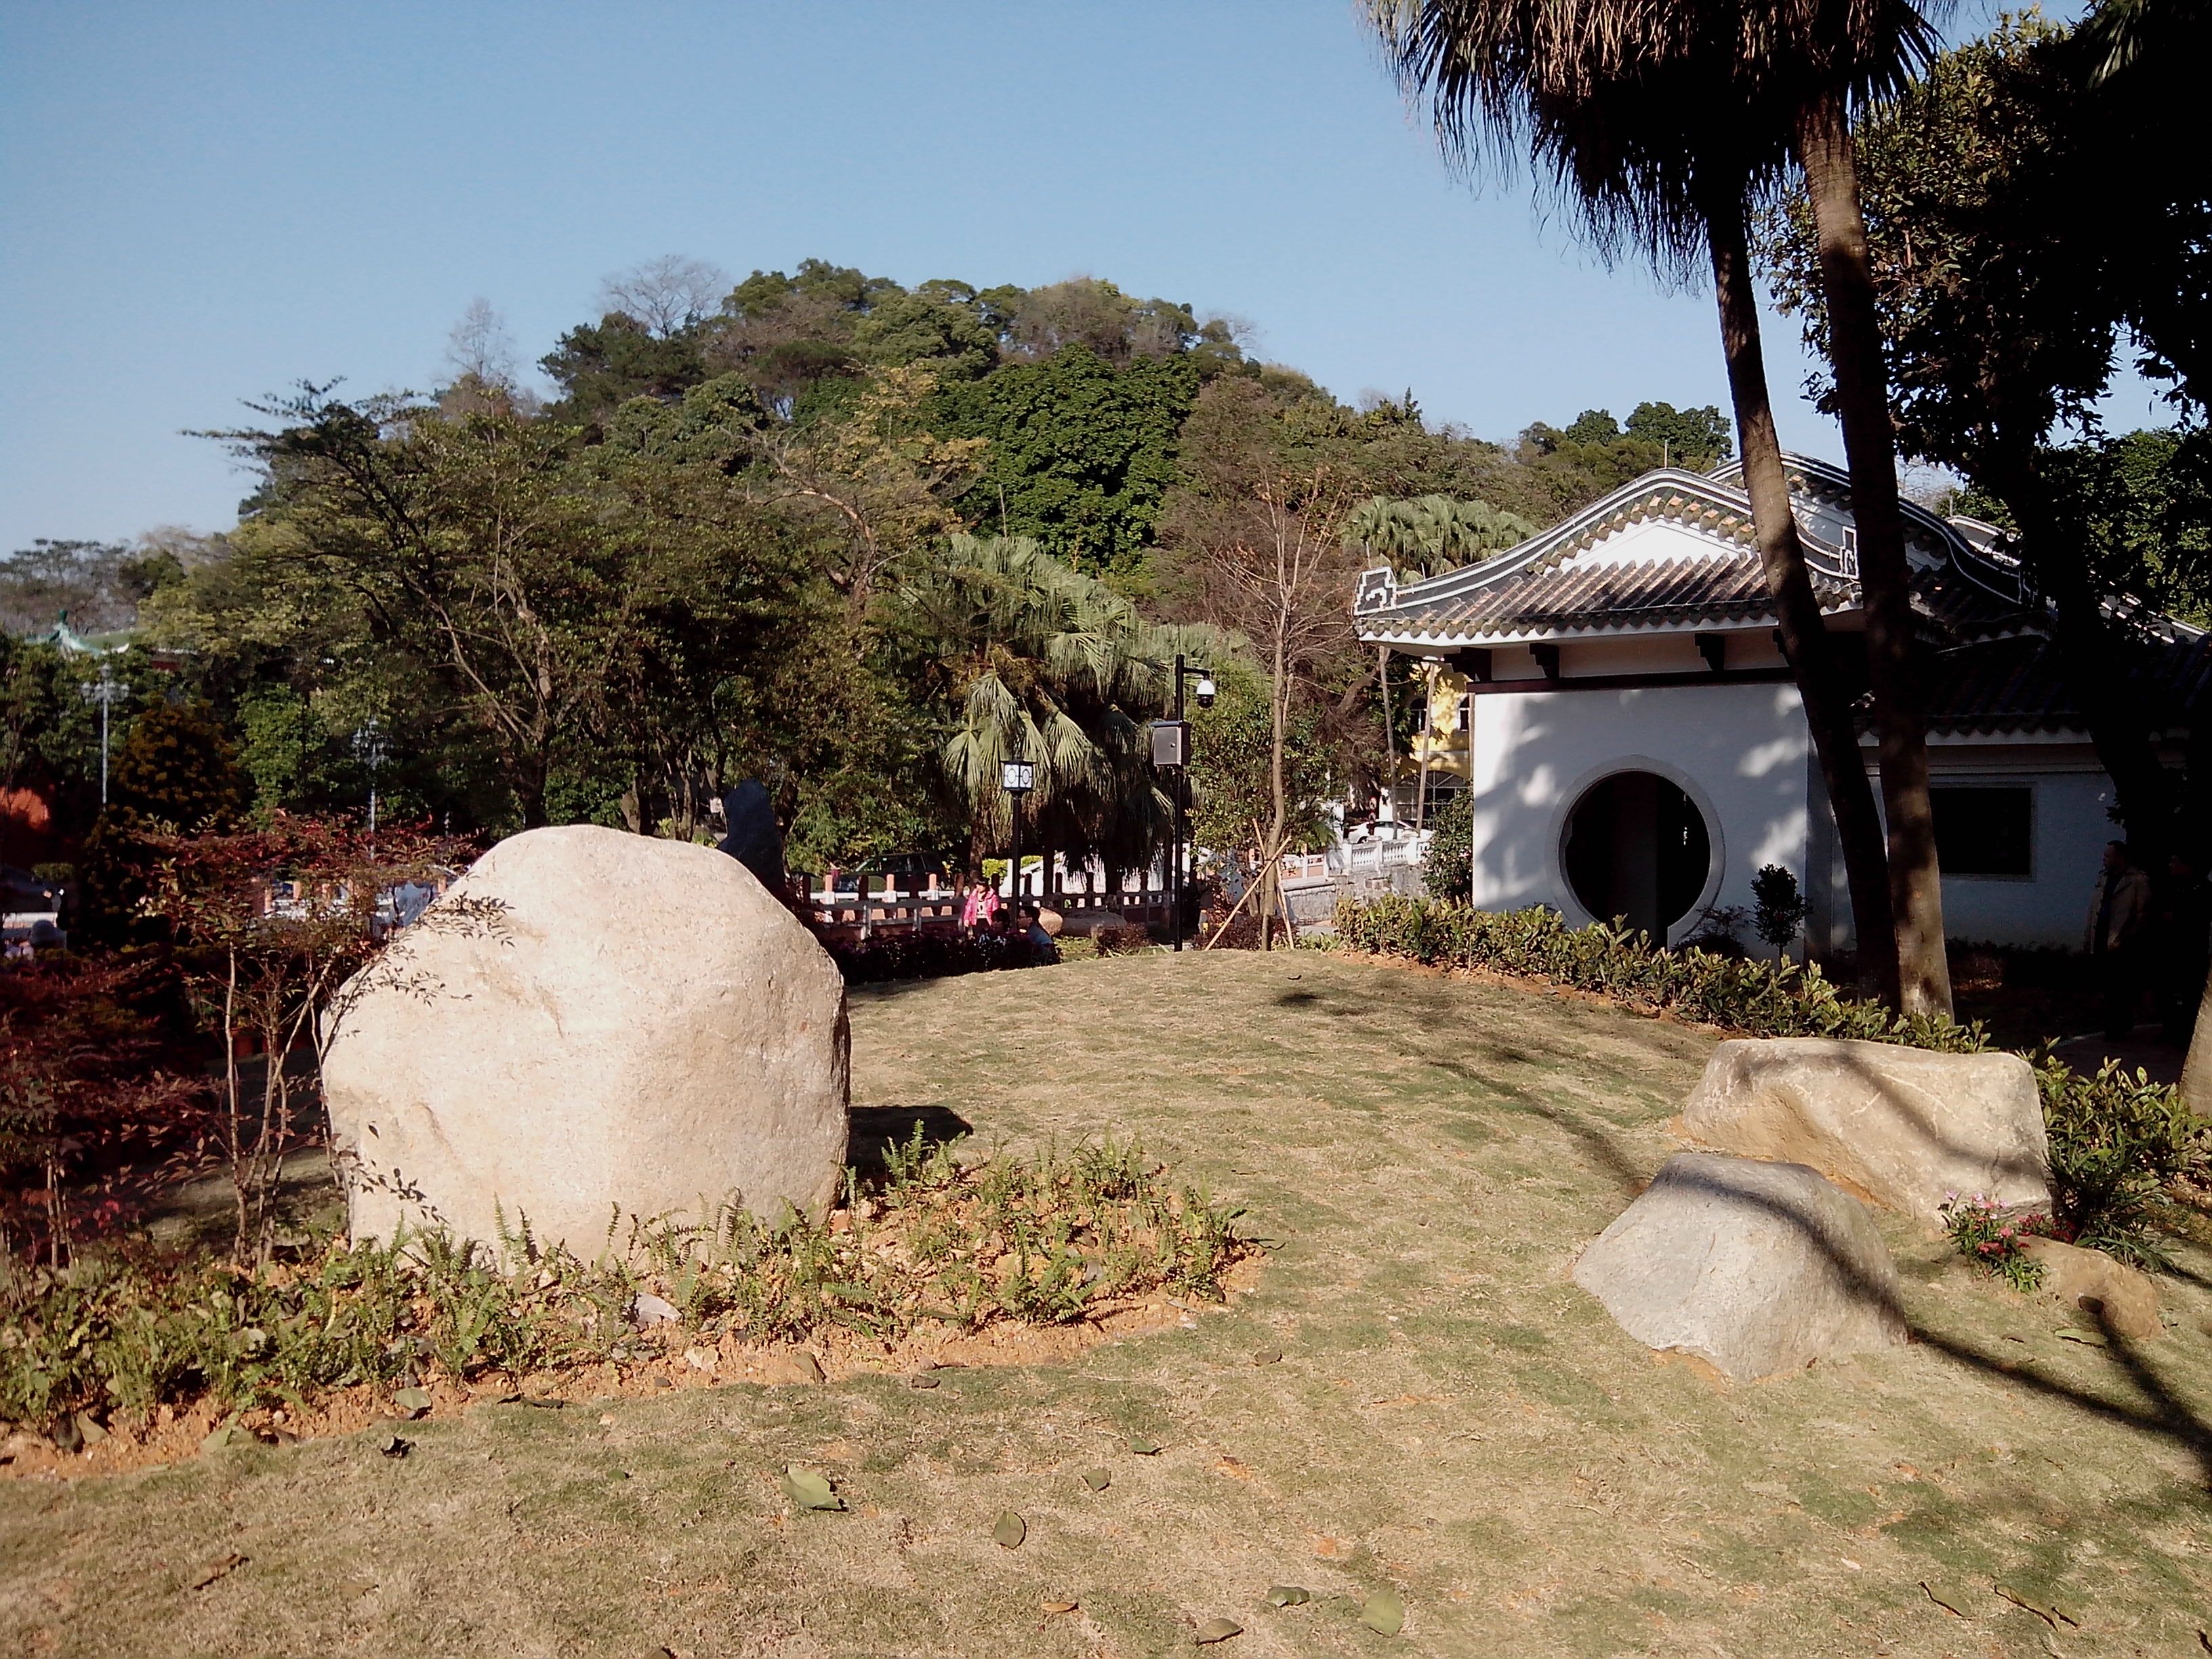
[{"x": 981, "y": 908}]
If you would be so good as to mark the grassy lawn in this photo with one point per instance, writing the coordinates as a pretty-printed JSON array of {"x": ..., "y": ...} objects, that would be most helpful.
[{"x": 1449, "y": 1417}]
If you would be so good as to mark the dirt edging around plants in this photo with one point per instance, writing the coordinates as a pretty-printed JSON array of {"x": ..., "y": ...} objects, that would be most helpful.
[{"x": 686, "y": 1359}]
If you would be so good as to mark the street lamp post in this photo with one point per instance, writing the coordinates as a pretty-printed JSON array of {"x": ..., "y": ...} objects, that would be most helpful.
[
  {"x": 1016, "y": 778},
  {"x": 1171, "y": 752},
  {"x": 370, "y": 749},
  {"x": 105, "y": 691}
]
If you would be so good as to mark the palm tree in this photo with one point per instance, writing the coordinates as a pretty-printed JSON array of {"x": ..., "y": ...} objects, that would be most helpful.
[
  {"x": 1429, "y": 533},
  {"x": 1426, "y": 535},
  {"x": 1660, "y": 127},
  {"x": 1855, "y": 353},
  {"x": 1039, "y": 662}
]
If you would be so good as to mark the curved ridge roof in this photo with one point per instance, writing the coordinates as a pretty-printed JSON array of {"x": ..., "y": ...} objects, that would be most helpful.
[{"x": 1545, "y": 590}]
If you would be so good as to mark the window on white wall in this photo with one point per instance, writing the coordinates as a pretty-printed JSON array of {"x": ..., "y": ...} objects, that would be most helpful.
[{"x": 1984, "y": 829}]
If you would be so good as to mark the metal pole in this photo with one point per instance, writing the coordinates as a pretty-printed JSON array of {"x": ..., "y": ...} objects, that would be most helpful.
[
  {"x": 1014, "y": 878},
  {"x": 104, "y": 691},
  {"x": 1175, "y": 847}
]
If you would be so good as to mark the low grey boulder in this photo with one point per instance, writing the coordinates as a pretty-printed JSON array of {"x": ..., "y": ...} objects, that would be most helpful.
[
  {"x": 1903, "y": 1127},
  {"x": 1757, "y": 1268},
  {"x": 2123, "y": 1299}
]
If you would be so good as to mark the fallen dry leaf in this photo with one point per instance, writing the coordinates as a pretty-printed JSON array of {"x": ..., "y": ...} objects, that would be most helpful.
[
  {"x": 1384, "y": 1613},
  {"x": 1947, "y": 1600},
  {"x": 214, "y": 1570},
  {"x": 809, "y": 1489},
  {"x": 1231, "y": 1468},
  {"x": 1060, "y": 1606}
]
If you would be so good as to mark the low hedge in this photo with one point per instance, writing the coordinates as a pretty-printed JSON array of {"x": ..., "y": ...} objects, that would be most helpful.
[
  {"x": 912, "y": 953},
  {"x": 1759, "y": 998}
]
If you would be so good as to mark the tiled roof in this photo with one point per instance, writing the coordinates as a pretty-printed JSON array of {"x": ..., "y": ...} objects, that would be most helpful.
[
  {"x": 1546, "y": 589},
  {"x": 2015, "y": 685},
  {"x": 1968, "y": 603},
  {"x": 1992, "y": 667},
  {"x": 1589, "y": 598}
]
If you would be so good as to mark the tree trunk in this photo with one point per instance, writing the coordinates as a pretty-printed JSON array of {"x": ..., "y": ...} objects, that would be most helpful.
[
  {"x": 1804, "y": 636},
  {"x": 1271, "y": 851},
  {"x": 2196, "y": 1069},
  {"x": 1915, "y": 887},
  {"x": 530, "y": 791}
]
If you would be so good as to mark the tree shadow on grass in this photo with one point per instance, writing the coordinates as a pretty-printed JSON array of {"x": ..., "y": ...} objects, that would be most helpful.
[
  {"x": 1599, "y": 1142},
  {"x": 877, "y": 1128},
  {"x": 2163, "y": 1414}
]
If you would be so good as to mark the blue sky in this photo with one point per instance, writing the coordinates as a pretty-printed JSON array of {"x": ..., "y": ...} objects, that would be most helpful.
[{"x": 207, "y": 202}]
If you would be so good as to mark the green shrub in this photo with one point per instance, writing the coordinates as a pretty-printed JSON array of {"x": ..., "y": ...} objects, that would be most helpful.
[
  {"x": 1042, "y": 1242},
  {"x": 2118, "y": 1142},
  {"x": 1761, "y": 998},
  {"x": 1992, "y": 1240},
  {"x": 1778, "y": 906},
  {"x": 1448, "y": 871}
]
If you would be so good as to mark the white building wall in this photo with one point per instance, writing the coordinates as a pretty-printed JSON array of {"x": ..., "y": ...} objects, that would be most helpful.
[
  {"x": 1740, "y": 751},
  {"x": 2070, "y": 823}
]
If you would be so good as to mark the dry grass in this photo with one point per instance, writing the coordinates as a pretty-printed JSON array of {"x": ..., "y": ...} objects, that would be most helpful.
[{"x": 1449, "y": 1417}]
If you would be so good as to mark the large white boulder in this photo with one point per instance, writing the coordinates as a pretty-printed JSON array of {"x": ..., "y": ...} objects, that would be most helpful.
[
  {"x": 1757, "y": 1268},
  {"x": 1901, "y": 1127},
  {"x": 588, "y": 1021}
]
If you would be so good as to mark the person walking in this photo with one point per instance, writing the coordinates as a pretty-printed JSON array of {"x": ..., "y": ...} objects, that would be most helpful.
[
  {"x": 2119, "y": 915},
  {"x": 2185, "y": 947}
]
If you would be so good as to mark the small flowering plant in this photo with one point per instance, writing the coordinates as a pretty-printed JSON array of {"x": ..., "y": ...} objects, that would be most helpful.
[{"x": 1992, "y": 1239}]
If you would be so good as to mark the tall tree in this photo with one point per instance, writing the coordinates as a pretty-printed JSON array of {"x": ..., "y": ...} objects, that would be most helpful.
[
  {"x": 1432, "y": 533},
  {"x": 2004, "y": 273},
  {"x": 1836, "y": 65},
  {"x": 1259, "y": 535},
  {"x": 1650, "y": 130},
  {"x": 1426, "y": 535}
]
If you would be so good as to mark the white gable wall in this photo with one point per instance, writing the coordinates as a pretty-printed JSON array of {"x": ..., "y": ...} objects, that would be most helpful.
[{"x": 1651, "y": 540}]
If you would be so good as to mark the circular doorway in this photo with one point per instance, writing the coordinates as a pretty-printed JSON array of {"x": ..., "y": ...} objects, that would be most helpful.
[{"x": 1637, "y": 846}]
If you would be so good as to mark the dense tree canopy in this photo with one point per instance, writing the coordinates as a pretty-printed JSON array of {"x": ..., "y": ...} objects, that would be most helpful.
[
  {"x": 2030, "y": 217},
  {"x": 856, "y": 539}
]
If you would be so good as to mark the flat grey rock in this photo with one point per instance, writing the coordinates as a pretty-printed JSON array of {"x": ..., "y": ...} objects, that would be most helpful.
[
  {"x": 1757, "y": 1268},
  {"x": 1900, "y": 1127}
]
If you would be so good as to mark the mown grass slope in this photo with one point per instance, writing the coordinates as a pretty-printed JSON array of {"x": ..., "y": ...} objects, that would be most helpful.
[{"x": 1449, "y": 1417}]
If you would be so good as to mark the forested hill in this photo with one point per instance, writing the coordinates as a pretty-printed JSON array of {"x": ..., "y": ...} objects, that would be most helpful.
[
  {"x": 1083, "y": 390},
  {"x": 857, "y": 540}
]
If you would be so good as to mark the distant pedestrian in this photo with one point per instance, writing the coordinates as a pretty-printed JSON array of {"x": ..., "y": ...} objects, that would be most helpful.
[
  {"x": 2119, "y": 914},
  {"x": 1043, "y": 952},
  {"x": 980, "y": 909},
  {"x": 2184, "y": 947}
]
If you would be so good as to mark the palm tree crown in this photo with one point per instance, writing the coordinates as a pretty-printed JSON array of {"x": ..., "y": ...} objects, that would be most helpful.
[{"x": 1043, "y": 663}]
